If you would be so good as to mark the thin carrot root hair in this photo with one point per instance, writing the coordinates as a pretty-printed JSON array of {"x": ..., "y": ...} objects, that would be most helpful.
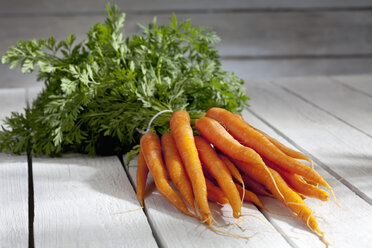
[
  {"x": 272, "y": 178},
  {"x": 231, "y": 234},
  {"x": 243, "y": 186},
  {"x": 333, "y": 195},
  {"x": 127, "y": 211},
  {"x": 317, "y": 230},
  {"x": 224, "y": 232},
  {"x": 237, "y": 222},
  {"x": 326, "y": 222},
  {"x": 267, "y": 224}
]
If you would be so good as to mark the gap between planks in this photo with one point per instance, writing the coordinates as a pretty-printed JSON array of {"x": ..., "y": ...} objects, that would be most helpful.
[
  {"x": 331, "y": 171},
  {"x": 157, "y": 235},
  {"x": 31, "y": 202},
  {"x": 153, "y": 230},
  {"x": 315, "y": 160},
  {"x": 287, "y": 89},
  {"x": 350, "y": 86}
]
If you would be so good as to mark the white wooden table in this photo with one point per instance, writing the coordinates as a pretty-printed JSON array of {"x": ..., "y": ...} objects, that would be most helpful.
[{"x": 82, "y": 201}]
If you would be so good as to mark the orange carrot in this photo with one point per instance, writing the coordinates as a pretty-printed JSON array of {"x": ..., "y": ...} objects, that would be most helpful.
[
  {"x": 255, "y": 186},
  {"x": 249, "y": 196},
  {"x": 176, "y": 169},
  {"x": 282, "y": 192},
  {"x": 141, "y": 176},
  {"x": 215, "y": 194},
  {"x": 219, "y": 171},
  {"x": 298, "y": 184},
  {"x": 285, "y": 149},
  {"x": 151, "y": 149},
  {"x": 233, "y": 170},
  {"x": 184, "y": 137},
  {"x": 220, "y": 138},
  {"x": 311, "y": 182},
  {"x": 251, "y": 138},
  {"x": 207, "y": 175}
]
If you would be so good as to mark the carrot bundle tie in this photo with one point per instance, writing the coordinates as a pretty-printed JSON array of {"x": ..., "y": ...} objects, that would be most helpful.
[{"x": 152, "y": 119}]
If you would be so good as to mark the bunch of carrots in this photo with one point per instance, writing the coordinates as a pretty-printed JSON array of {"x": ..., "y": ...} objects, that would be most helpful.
[{"x": 220, "y": 165}]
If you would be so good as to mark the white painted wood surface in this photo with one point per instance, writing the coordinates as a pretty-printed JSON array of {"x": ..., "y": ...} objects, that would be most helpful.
[
  {"x": 76, "y": 201},
  {"x": 348, "y": 226},
  {"x": 76, "y": 196},
  {"x": 174, "y": 229},
  {"x": 256, "y": 69},
  {"x": 344, "y": 151},
  {"x": 336, "y": 99},
  {"x": 13, "y": 201},
  {"x": 361, "y": 83}
]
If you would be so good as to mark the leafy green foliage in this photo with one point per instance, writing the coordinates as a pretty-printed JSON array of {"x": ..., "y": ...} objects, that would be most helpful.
[{"x": 99, "y": 91}]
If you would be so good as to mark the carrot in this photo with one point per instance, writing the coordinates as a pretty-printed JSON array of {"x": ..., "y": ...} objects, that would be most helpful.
[
  {"x": 219, "y": 171},
  {"x": 220, "y": 138},
  {"x": 176, "y": 169},
  {"x": 233, "y": 170},
  {"x": 251, "y": 138},
  {"x": 215, "y": 194},
  {"x": 184, "y": 138},
  {"x": 311, "y": 182},
  {"x": 285, "y": 149},
  {"x": 282, "y": 192},
  {"x": 141, "y": 176},
  {"x": 249, "y": 196},
  {"x": 151, "y": 150},
  {"x": 298, "y": 184},
  {"x": 207, "y": 175},
  {"x": 255, "y": 186}
]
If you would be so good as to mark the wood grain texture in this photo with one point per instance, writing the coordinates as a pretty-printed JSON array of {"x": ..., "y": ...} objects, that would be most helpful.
[
  {"x": 277, "y": 68},
  {"x": 23, "y": 6},
  {"x": 336, "y": 99},
  {"x": 243, "y": 34},
  {"x": 14, "y": 78},
  {"x": 344, "y": 227},
  {"x": 13, "y": 201},
  {"x": 76, "y": 201},
  {"x": 247, "y": 69},
  {"x": 360, "y": 83},
  {"x": 342, "y": 150},
  {"x": 175, "y": 229},
  {"x": 11, "y": 100}
]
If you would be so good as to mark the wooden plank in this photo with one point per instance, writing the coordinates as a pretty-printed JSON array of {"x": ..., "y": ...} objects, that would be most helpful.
[
  {"x": 14, "y": 78},
  {"x": 361, "y": 83},
  {"x": 173, "y": 227},
  {"x": 77, "y": 199},
  {"x": 347, "y": 226},
  {"x": 247, "y": 69},
  {"x": 273, "y": 68},
  {"x": 13, "y": 201},
  {"x": 243, "y": 34},
  {"x": 334, "y": 98},
  {"x": 342, "y": 150},
  {"x": 11, "y": 100},
  {"x": 22, "y": 6}
]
